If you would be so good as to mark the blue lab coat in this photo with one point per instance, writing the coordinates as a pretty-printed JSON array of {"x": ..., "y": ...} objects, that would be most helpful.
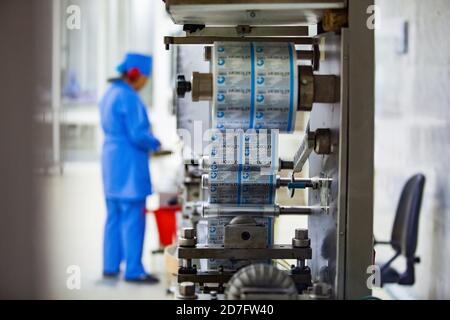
[
  {"x": 126, "y": 176},
  {"x": 128, "y": 141}
]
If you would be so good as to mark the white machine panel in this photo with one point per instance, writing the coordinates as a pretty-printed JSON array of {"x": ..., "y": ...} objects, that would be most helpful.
[{"x": 249, "y": 12}]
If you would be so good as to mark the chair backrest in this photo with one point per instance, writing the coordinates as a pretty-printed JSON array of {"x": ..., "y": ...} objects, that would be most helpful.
[{"x": 406, "y": 224}]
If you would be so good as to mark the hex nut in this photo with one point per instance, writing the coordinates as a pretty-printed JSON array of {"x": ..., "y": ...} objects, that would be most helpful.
[
  {"x": 301, "y": 234},
  {"x": 186, "y": 290},
  {"x": 183, "y": 242},
  {"x": 301, "y": 243},
  {"x": 189, "y": 233}
]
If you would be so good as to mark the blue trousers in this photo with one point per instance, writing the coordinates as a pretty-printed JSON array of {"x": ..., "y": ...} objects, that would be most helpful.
[{"x": 124, "y": 237}]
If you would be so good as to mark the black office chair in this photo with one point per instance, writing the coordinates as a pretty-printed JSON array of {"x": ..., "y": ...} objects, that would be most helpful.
[{"x": 405, "y": 232}]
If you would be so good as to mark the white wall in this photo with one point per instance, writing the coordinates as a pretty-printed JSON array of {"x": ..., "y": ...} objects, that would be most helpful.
[{"x": 413, "y": 133}]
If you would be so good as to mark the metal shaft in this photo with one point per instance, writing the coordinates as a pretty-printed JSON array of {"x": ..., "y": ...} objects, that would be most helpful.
[
  {"x": 296, "y": 210},
  {"x": 267, "y": 211}
]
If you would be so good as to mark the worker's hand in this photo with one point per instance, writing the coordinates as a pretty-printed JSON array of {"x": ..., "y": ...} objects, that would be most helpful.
[
  {"x": 158, "y": 145},
  {"x": 155, "y": 146}
]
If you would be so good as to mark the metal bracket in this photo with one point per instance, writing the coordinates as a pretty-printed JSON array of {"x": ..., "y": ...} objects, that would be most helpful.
[
  {"x": 319, "y": 141},
  {"x": 325, "y": 189},
  {"x": 209, "y": 40},
  {"x": 244, "y": 232},
  {"x": 248, "y": 31},
  {"x": 218, "y": 252},
  {"x": 299, "y": 277},
  {"x": 305, "y": 150}
]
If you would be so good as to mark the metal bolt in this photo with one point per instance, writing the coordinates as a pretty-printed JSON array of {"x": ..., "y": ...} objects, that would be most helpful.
[
  {"x": 301, "y": 243},
  {"x": 183, "y": 86},
  {"x": 301, "y": 264},
  {"x": 301, "y": 234},
  {"x": 187, "y": 289},
  {"x": 188, "y": 233}
]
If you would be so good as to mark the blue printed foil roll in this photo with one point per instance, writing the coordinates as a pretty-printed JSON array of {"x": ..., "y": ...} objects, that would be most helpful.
[
  {"x": 234, "y": 151},
  {"x": 255, "y": 86},
  {"x": 242, "y": 169},
  {"x": 241, "y": 188}
]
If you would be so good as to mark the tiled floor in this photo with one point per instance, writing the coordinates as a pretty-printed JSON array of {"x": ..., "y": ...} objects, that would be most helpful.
[{"x": 75, "y": 215}]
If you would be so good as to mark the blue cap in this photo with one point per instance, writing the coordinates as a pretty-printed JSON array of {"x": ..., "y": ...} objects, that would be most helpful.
[{"x": 135, "y": 60}]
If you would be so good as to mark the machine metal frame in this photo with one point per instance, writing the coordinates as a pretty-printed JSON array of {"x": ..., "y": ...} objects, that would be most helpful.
[{"x": 341, "y": 236}]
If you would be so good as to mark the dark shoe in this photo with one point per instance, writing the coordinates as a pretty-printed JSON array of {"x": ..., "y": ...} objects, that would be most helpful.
[
  {"x": 110, "y": 275},
  {"x": 146, "y": 279}
]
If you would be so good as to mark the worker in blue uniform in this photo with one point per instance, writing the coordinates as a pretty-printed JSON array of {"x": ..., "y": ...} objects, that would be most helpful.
[{"x": 125, "y": 167}]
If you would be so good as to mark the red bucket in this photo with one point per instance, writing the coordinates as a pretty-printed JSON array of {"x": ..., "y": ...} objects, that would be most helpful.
[{"x": 167, "y": 224}]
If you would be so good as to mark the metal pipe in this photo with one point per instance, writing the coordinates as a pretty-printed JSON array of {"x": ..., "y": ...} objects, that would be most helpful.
[
  {"x": 213, "y": 211},
  {"x": 297, "y": 210},
  {"x": 169, "y": 40},
  {"x": 280, "y": 182},
  {"x": 282, "y": 164}
]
